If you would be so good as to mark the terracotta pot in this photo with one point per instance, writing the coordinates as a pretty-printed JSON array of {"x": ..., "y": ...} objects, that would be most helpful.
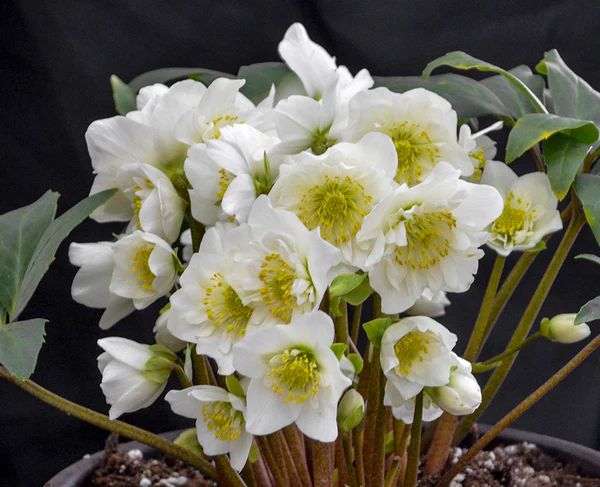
[{"x": 78, "y": 474}]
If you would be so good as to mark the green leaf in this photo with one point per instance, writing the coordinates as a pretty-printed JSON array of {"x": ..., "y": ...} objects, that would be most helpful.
[
  {"x": 462, "y": 60},
  {"x": 587, "y": 187},
  {"x": 20, "y": 232},
  {"x": 536, "y": 127},
  {"x": 260, "y": 76},
  {"x": 571, "y": 95},
  {"x": 564, "y": 158},
  {"x": 590, "y": 311},
  {"x": 169, "y": 75},
  {"x": 54, "y": 235},
  {"x": 20, "y": 344},
  {"x": 376, "y": 328},
  {"x": 591, "y": 257},
  {"x": 468, "y": 97},
  {"x": 359, "y": 294},
  {"x": 344, "y": 283},
  {"x": 123, "y": 96},
  {"x": 338, "y": 349},
  {"x": 513, "y": 99},
  {"x": 188, "y": 439},
  {"x": 541, "y": 245},
  {"x": 234, "y": 386},
  {"x": 357, "y": 362}
]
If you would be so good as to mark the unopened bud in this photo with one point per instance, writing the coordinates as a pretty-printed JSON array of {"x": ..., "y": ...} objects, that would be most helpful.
[
  {"x": 350, "y": 410},
  {"x": 462, "y": 394},
  {"x": 562, "y": 329}
]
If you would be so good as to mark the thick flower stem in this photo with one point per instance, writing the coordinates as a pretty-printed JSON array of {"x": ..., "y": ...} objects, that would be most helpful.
[
  {"x": 349, "y": 458},
  {"x": 391, "y": 477},
  {"x": 260, "y": 474},
  {"x": 414, "y": 448},
  {"x": 277, "y": 469},
  {"x": 441, "y": 443},
  {"x": 372, "y": 414},
  {"x": 227, "y": 475},
  {"x": 527, "y": 321},
  {"x": 496, "y": 359},
  {"x": 282, "y": 454},
  {"x": 515, "y": 413},
  {"x": 321, "y": 464},
  {"x": 295, "y": 443},
  {"x": 356, "y": 319},
  {"x": 341, "y": 324},
  {"x": 116, "y": 426}
]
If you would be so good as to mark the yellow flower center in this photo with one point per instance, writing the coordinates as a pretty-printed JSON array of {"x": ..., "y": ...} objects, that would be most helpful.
[
  {"x": 224, "y": 307},
  {"x": 223, "y": 420},
  {"x": 478, "y": 157},
  {"x": 278, "y": 278},
  {"x": 516, "y": 216},
  {"x": 225, "y": 178},
  {"x": 220, "y": 122},
  {"x": 411, "y": 348},
  {"x": 321, "y": 141},
  {"x": 137, "y": 201},
  {"x": 427, "y": 240},
  {"x": 141, "y": 268},
  {"x": 294, "y": 374},
  {"x": 337, "y": 206},
  {"x": 417, "y": 154}
]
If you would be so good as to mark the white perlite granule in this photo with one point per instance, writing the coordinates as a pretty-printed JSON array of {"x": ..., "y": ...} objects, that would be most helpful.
[
  {"x": 135, "y": 454},
  {"x": 145, "y": 482}
]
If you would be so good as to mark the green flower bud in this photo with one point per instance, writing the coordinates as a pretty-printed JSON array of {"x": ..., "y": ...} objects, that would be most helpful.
[
  {"x": 350, "y": 410},
  {"x": 562, "y": 329}
]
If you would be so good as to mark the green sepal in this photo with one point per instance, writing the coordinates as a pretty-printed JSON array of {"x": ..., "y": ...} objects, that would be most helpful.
[
  {"x": 338, "y": 349},
  {"x": 334, "y": 307},
  {"x": 254, "y": 454},
  {"x": 356, "y": 361},
  {"x": 359, "y": 294},
  {"x": 352, "y": 420},
  {"x": 123, "y": 96},
  {"x": 389, "y": 442},
  {"x": 376, "y": 328},
  {"x": 163, "y": 351},
  {"x": 344, "y": 283},
  {"x": 541, "y": 245},
  {"x": 188, "y": 439},
  {"x": 234, "y": 386},
  {"x": 158, "y": 368},
  {"x": 480, "y": 367}
]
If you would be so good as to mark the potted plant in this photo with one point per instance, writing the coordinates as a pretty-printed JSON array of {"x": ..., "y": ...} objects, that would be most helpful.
[{"x": 303, "y": 228}]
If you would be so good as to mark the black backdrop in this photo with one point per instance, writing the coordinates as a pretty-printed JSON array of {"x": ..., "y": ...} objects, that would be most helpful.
[{"x": 57, "y": 58}]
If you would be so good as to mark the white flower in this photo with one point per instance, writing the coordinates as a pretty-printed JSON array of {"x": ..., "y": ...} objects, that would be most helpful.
[
  {"x": 530, "y": 208},
  {"x": 91, "y": 285},
  {"x": 187, "y": 248},
  {"x": 429, "y": 304},
  {"x": 479, "y": 147},
  {"x": 125, "y": 383},
  {"x": 163, "y": 336},
  {"x": 404, "y": 409},
  {"x": 283, "y": 269},
  {"x": 294, "y": 377},
  {"x": 145, "y": 268},
  {"x": 462, "y": 394},
  {"x": 426, "y": 237},
  {"x": 220, "y": 425},
  {"x": 415, "y": 353},
  {"x": 207, "y": 310},
  {"x": 421, "y": 124},
  {"x": 335, "y": 191},
  {"x": 562, "y": 329},
  {"x": 229, "y": 173},
  {"x": 316, "y": 68}
]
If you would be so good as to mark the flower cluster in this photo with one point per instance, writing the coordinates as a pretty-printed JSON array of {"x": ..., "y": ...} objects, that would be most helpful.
[{"x": 270, "y": 203}]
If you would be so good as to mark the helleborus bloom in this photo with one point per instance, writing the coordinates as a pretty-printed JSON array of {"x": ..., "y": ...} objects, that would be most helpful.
[
  {"x": 91, "y": 284},
  {"x": 294, "y": 377},
  {"x": 415, "y": 353},
  {"x": 207, "y": 310},
  {"x": 229, "y": 173},
  {"x": 530, "y": 208},
  {"x": 335, "y": 191},
  {"x": 145, "y": 268},
  {"x": 283, "y": 269},
  {"x": 479, "y": 147},
  {"x": 316, "y": 68},
  {"x": 125, "y": 382},
  {"x": 163, "y": 336},
  {"x": 429, "y": 304},
  {"x": 562, "y": 329},
  {"x": 462, "y": 394},
  {"x": 404, "y": 409},
  {"x": 426, "y": 237},
  {"x": 220, "y": 425},
  {"x": 421, "y": 125}
]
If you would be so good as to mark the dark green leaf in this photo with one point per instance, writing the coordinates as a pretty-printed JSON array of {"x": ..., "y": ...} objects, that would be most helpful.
[
  {"x": 123, "y": 96},
  {"x": 571, "y": 95},
  {"x": 591, "y": 257},
  {"x": 468, "y": 97},
  {"x": 513, "y": 99},
  {"x": 590, "y": 311},
  {"x": 587, "y": 187},
  {"x": 260, "y": 76},
  {"x": 564, "y": 158},
  {"x": 53, "y": 236},
  {"x": 20, "y": 344},
  {"x": 536, "y": 127},
  {"x": 170, "y": 75},
  {"x": 20, "y": 232},
  {"x": 376, "y": 328}
]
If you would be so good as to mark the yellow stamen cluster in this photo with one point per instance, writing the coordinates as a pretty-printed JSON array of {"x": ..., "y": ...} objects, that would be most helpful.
[
  {"x": 225, "y": 178},
  {"x": 141, "y": 268},
  {"x": 337, "y": 206},
  {"x": 223, "y": 420},
  {"x": 516, "y": 216},
  {"x": 224, "y": 308},
  {"x": 219, "y": 122},
  {"x": 294, "y": 373},
  {"x": 411, "y": 348},
  {"x": 278, "y": 278},
  {"x": 478, "y": 156},
  {"x": 428, "y": 241},
  {"x": 417, "y": 153},
  {"x": 137, "y": 201}
]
